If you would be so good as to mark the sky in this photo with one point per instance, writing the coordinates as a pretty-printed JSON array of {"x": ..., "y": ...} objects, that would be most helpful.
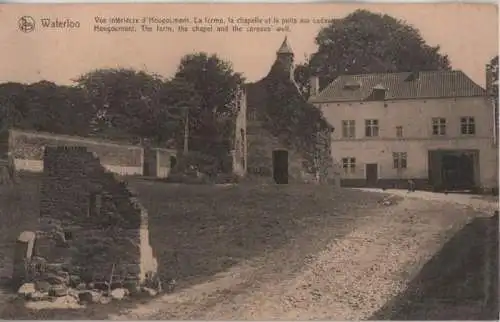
[{"x": 468, "y": 33}]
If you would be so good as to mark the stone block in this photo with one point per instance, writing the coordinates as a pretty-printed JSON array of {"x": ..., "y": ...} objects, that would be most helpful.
[
  {"x": 26, "y": 289},
  {"x": 119, "y": 293},
  {"x": 89, "y": 297},
  {"x": 58, "y": 290},
  {"x": 23, "y": 252},
  {"x": 42, "y": 286}
]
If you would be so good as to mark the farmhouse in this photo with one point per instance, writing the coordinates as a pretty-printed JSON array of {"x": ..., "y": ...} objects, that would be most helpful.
[{"x": 433, "y": 127}]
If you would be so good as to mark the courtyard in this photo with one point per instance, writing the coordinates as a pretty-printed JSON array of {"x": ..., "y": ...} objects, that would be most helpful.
[{"x": 280, "y": 251}]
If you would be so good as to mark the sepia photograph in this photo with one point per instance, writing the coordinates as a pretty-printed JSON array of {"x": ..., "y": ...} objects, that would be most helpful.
[{"x": 320, "y": 161}]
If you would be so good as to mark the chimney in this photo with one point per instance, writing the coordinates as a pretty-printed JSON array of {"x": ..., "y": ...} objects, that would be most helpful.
[{"x": 313, "y": 86}]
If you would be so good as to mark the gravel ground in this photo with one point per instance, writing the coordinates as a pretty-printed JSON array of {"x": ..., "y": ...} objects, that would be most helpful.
[
  {"x": 350, "y": 279},
  {"x": 323, "y": 266}
]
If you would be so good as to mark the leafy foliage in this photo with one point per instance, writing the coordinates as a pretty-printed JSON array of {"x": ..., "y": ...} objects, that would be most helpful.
[
  {"x": 291, "y": 118},
  {"x": 493, "y": 68},
  {"x": 366, "y": 42},
  {"x": 492, "y": 88},
  {"x": 216, "y": 83},
  {"x": 45, "y": 106},
  {"x": 125, "y": 101}
]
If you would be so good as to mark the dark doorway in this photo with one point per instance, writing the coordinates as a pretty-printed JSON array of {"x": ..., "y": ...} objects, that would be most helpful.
[
  {"x": 371, "y": 174},
  {"x": 149, "y": 165},
  {"x": 453, "y": 169},
  {"x": 280, "y": 166},
  {"x": 173, "y": 162},
  {"x": 146, "y": 171},
  {"x": 458, "y": 172}
]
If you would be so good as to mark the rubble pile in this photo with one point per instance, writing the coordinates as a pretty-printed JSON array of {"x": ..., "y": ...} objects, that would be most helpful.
[{"x": 58, "y": 282}]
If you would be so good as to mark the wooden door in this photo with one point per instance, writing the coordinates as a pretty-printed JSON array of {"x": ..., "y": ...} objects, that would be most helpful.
[{"x": 371, "y": 174}]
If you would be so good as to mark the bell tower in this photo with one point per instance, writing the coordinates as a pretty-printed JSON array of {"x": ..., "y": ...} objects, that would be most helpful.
[{"x": 284, "y": 56}]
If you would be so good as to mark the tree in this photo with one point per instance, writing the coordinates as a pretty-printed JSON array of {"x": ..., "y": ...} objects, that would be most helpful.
[
  {"x": 492, "y": 89},
  {"x": 366, "y": 42},
  {"x": 180, "y": 100},
  {"x": 45, "y": 106},
  {"x": 216, "y": 83},
  {"x": 13, "y": 105},
  {"x": 125, "y": 102},
  {"x": 57, "y": 109},
  {"x": 493, "y": 68}
]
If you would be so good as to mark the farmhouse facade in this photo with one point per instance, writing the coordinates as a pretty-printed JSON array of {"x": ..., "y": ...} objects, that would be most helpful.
[{"x": 436, "y": 128}]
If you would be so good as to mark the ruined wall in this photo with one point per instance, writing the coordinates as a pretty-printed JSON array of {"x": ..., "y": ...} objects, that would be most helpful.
[
  {"x": 165, "y": 161},
  {"x": 158, "y": 162},
  {"x": 27, "y": 149},
  {"x": 239, "y": 153},
  {"x": 91, "y": 221}
]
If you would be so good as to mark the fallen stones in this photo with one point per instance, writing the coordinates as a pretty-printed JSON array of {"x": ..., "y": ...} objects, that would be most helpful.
[
  {"x": 58, "y": 290},
  {"x": 26, "y": 289},
  {"x": 119, "y": 293},
  {"x": 64, "y": 284},
  {"x": 74, "y": 280},
  {"x": 55, "y": 279},
  {"x": 149, "y": 291},
  {"x": 84, "y": 294},
  {"x": 23, "y": 252},
  {"x": 42, "y": 286},
  {"x": 105, "y": 300},
  {"x": 38, "y": 296},
  {"x": 64, "y": 302},
  {"x": 89, "y": 297}
]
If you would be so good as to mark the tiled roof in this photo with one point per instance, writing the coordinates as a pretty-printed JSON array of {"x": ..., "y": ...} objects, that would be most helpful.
[{"x": 425, "y": 84}]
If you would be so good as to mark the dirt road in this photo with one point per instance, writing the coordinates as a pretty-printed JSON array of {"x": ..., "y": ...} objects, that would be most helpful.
[{"x": 351, "y": 278}]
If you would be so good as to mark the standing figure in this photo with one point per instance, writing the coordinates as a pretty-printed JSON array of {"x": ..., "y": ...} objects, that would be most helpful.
[{"x": 411, "y": 185}]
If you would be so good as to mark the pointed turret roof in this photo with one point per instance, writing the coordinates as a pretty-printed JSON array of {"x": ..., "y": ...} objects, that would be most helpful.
[{"x": 285, "y": 47}]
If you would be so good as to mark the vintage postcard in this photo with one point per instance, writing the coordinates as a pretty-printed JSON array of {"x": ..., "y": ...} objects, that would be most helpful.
[{"x": 324, "y": 161}]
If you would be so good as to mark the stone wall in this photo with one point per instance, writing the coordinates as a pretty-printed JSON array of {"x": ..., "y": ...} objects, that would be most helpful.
[
  {"x": 158, "y": 162},
  {"x": 27, "y": 148},
  {"x": 90, "y": 221},
  {"x": 165, "y": 161},
  {"x": 239, "y": 152},
  {"x": 260, "y": 145}
]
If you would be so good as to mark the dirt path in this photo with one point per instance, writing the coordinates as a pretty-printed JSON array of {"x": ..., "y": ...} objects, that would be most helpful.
[
  {"x": 478, "y": 202},
  {"x": 350, "y": 279}
]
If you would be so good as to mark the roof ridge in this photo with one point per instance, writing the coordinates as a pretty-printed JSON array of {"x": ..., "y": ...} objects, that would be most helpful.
[
  {"x": 434, "y": 83},
  {"x": 436, "y": 71}
]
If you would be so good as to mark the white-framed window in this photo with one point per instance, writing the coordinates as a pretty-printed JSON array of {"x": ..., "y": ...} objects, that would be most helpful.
[
  {"x": 399, "y": 131},
  {"x": 349, "y": 165},
  {"x": 400, "y": 160},
  {"x": 371, "y": 128},
  {"x": 438, "y": 126},
  {"x": 467, "y": 125},
  {"x": 348, "y": 129}
]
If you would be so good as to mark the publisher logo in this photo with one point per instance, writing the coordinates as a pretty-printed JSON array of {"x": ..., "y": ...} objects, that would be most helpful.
[{"x": 26, "y": 24}]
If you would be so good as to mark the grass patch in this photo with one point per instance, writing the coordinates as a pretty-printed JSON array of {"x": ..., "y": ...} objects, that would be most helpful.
[{"x": 199, "y": 230}]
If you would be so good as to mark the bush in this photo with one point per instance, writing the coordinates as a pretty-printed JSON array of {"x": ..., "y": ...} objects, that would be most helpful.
[
  {"x": 199, "y": 168},
  {"x": 194, "y": 162}
]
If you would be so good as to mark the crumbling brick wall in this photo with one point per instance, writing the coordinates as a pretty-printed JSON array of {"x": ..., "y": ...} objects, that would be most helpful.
[{"x": 90, "y": 221}]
